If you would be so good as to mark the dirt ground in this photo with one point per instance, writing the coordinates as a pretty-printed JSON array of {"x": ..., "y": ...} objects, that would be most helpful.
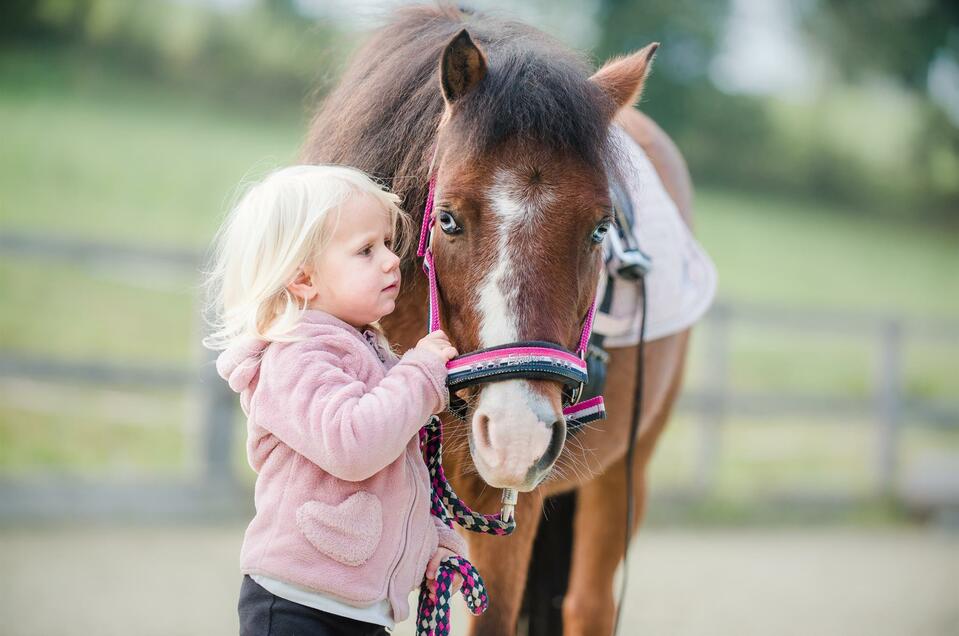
[{"x": 173, "y": 581}]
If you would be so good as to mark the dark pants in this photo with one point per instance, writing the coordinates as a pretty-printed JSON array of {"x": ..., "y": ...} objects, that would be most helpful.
[{"x": 265, "y": 614}]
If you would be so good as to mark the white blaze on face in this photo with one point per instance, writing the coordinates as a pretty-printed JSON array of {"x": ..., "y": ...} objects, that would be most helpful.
[
  {"x": 498, "y": 292},
  {"x": 519, "y": 419},
  {"x": 513, "y": 209}
]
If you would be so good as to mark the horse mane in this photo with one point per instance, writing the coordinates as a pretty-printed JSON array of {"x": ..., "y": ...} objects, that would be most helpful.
[{"x": 383, "y": 115}]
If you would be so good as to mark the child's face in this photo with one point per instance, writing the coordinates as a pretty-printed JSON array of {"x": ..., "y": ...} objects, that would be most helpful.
[{"x": 357, "y": 277}]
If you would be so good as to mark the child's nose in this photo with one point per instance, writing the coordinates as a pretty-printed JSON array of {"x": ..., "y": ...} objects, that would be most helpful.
[{"x": 391, "y": 262}]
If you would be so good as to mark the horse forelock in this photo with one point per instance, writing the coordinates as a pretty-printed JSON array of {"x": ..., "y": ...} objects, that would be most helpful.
[
  {"x": 536, "y": 99},
  {"x": 383, "y": 115}
]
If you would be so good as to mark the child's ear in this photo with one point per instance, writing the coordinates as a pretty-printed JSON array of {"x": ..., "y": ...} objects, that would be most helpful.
[{"x": 302, "y": 285}]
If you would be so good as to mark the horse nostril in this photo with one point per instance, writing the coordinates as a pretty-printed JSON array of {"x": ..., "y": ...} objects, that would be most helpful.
[
  {"x": 556, "y": 441},
  {"x": 482, "y": 431}
]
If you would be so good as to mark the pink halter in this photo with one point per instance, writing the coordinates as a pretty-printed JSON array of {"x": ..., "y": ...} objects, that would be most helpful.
[{"x": 529, "y": 359}]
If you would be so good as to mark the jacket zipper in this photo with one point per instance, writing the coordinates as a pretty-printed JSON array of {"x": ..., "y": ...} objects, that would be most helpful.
[{"x": 406, "y": 531}]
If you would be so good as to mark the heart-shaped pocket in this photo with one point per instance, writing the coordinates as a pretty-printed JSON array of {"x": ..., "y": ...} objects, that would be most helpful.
[{"x": 348, "y": 532}]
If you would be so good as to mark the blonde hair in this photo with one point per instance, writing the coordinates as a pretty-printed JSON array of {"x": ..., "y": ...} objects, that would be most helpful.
[{"x": 280, "y": 224}]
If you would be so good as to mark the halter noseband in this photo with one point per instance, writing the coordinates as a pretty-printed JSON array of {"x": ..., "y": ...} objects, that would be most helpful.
[{"x": 526, "y": 359}]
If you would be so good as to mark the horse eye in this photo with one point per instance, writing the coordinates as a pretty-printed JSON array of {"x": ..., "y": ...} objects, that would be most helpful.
[
  {"x": 600, "y": 232},
  {"x": 448, "y": 223}
]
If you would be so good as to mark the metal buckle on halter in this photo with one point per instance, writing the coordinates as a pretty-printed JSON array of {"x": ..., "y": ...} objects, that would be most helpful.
[
  {"x": 626, "y": 262},
  {"x": 575, "y": 394},
  {"x": 624, "y": 257}
]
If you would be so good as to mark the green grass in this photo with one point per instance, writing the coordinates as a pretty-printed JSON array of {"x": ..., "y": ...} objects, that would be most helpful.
[
  {"x": 59, "y": 311},
  {"x": 93, "y": 154},
  {"x": 810, "y": 254},
  {"x": 47, "y": 428}
]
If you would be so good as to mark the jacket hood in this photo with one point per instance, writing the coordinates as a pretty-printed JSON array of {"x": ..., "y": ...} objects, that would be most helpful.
[{"x": 239, "y": 364}]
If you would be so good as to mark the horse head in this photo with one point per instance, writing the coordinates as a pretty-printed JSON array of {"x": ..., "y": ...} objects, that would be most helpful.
[{"x": 520, "y": 210}]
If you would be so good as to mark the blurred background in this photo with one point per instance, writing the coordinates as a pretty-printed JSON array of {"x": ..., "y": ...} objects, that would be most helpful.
[{"x": 809, "y": 482}]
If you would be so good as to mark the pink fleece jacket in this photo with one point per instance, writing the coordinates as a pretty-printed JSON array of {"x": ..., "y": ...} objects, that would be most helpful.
[{"x": 342, "y": 493}]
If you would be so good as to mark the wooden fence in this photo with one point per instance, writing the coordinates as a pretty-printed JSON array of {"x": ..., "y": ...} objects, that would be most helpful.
[
  {"x": 215, "y": 491},
  {"x": 887, "y": 405}
]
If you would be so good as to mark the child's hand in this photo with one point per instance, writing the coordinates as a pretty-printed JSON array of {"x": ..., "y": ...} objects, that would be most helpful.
[
  {"x": 438, "y": 344},
  {"x": 431, "y": 569}
]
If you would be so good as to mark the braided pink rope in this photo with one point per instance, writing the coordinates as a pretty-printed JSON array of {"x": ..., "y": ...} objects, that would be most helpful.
[{"x": 433, "y": 617}]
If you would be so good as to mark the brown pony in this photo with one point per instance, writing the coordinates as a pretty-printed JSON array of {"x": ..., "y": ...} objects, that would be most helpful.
[{"x": 520, "y": 130}]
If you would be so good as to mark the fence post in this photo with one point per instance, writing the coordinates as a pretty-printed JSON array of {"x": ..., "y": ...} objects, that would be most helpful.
[
  {"x": 889, "y": 404},
  {"x": 218, "y": 405},
  {"x": 217, "y": 408},
  {"x": 716, "y": 389}
]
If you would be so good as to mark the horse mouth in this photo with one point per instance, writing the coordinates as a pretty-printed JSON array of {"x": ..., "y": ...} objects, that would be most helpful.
[{"x": 511, "y": 443}]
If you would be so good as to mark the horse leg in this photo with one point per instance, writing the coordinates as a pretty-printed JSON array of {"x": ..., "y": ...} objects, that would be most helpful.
[
  {"x": 589, "y": 606},
  {"x": 599, "y": 525}
]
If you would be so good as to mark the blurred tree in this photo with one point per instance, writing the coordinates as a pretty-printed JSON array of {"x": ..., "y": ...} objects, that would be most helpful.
[
  {"x": 689, "y": 31},
  {"x": 893, "y": 37},
  {"x": 744, "y": 140},
  {"x": 57, "y": 19},
  {"x": 900, "y": 40},
  {"x": 706, "y": 123},
  {"x": 263, "y": 54},
  {"x": 16, "y": 16},
  {"x": 266, "y": 54}
]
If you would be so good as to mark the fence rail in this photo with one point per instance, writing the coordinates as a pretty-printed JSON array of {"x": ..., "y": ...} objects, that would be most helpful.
[
  {"x": 889, "y": 404},
  {"x": 215, "y": 490}
]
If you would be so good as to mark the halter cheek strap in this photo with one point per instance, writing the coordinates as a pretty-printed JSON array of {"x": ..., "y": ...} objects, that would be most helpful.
[{"x": 529, "y": 359}]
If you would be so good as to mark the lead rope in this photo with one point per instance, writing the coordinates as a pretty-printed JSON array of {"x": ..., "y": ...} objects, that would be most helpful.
[
  {"x": 433, "y": 616},
  {"x": 630, "y": 451}
]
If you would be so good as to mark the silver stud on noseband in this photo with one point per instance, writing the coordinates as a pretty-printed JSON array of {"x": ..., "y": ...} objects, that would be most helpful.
[{"x": 508, "y": 500}]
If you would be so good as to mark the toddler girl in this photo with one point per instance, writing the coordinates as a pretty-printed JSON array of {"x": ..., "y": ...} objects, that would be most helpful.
[{"x": 304, "y": 269}]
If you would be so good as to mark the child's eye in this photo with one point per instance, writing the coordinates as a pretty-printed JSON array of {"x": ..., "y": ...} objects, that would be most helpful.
[
  {"x": 366, "y": 251},
  {"x": 388, "y": 242}
]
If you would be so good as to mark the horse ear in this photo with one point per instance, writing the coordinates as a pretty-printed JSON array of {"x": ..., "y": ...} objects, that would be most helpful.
[
  {"x": 622, "y": 78},
  {"x": 462, "y": 67}
]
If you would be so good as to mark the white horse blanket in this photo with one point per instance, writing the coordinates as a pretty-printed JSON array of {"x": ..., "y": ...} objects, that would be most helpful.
[{"x": 680, "y": 286}]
